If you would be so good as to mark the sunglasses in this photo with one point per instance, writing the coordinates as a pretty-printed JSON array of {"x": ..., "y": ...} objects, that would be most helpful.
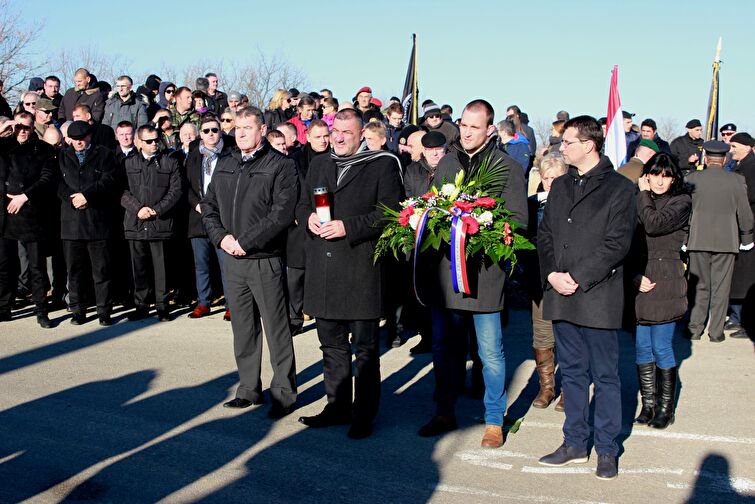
[
  {"x": 23, "y": 127},
  {"x": 433, "y": 116},
  {"x": 170, "y": 91},
  {"x": 226, "y": 119},
  {"x": 30, "y": 103},
  {"x": 150, "y": 141},
  {"x": 728, "y": 133},
  {"x": 208, "y": 130}
]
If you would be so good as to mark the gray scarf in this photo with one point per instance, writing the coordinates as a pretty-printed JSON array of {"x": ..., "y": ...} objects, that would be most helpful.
[
  {"x": 362, "y": 155},
  {"x": 209, "y": 155}
]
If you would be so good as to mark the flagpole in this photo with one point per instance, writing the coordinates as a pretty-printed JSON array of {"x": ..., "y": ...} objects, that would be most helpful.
[
  {"x": 711, "y": 120},
  {"x": 415, "y": 94}
]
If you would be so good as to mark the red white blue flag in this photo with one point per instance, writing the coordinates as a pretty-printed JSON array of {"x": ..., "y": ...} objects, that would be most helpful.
[{"x": 616, "y": 141}]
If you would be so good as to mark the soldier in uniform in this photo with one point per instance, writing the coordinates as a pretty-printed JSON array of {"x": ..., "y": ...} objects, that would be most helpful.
[
  {"x": 688, "y": 147},
  {"x": 720, "y": 226}
]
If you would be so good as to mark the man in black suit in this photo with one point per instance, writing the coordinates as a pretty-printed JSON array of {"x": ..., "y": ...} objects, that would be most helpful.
[{"x": 343, "y": 287}]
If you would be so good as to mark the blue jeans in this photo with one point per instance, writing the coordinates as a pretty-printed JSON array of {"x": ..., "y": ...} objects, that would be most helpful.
[
  {"x": 736, "y": 313},
  {"x": 654, "y": 344},
  {"x": 450, "y": 329},
  {"x": 203, "y": 250}
]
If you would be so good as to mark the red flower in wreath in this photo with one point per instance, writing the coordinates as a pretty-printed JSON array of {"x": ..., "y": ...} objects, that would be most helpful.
[
  {"x": 485, "y": 202},
  {"x": 471, "y": 223},
  {"x": 428, "y": 195},
  {"x": 403, "y": 217},
  {"x": 508, "y": 237},
  {"x": 464, "y": 206}
]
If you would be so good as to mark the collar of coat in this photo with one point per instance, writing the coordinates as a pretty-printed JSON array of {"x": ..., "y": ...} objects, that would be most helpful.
[
  {"x": 481, "y": 151},
  {"x": 261, "y": 151},
  {"x": 603, "y": 167}
]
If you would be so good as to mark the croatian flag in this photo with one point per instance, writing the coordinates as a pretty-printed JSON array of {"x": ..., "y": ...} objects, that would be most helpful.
[{"x": 616, "y": 142}]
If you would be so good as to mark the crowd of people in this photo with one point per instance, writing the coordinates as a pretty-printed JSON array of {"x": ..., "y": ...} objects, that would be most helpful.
[{"x": 113, "y": 194}]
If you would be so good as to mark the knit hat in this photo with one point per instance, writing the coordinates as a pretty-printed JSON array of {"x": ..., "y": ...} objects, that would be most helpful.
[{"x": 740, "y": 138}]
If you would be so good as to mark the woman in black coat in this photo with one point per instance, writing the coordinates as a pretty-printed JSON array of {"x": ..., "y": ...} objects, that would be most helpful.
[{"x": 663, "y": 210}]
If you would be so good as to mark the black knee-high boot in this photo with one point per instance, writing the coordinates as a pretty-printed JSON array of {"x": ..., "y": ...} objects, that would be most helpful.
[
  {"x": 664, "y": 413},
  {"x": 646, "y": 376}
]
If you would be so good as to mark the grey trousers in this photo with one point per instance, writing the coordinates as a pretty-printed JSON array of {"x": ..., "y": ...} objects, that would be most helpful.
[
  {"x": 256, "y": 290},
  {"x": 542, "y": 330},
  {"x": 711, "y": 273}
]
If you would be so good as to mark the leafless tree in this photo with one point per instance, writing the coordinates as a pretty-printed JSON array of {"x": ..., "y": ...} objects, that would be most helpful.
[
  {"x": 542, "y": 129},
  {"x": 106, "y": 67},
  {"x": 668, "y": 128},
  {"x": 259, "y": 79},
  {"x": 17, "y": 63}
]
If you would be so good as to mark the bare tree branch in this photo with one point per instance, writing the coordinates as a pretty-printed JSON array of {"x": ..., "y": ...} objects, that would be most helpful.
[
  {"x": 104, "y": 67},
  {"x": 16, "y": 38},
  {"x": 668, "y": 129}
]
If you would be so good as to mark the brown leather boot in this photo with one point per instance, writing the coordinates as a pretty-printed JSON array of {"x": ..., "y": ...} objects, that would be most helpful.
[
  {"x": 560, "y": 403},
  {"x": 493, "y": 437},
  {"x": 546, "y": 367}
]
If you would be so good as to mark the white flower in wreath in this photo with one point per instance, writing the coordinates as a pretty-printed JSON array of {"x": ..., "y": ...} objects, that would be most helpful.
[
  {"x": 447, "y": 190},
  {"x": 485, "y": 218},
  {"x": 414, "y": 219}
]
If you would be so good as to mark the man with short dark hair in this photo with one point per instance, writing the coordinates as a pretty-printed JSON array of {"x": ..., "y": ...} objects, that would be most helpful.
[
  {"x": 183, "y": 110},
  {"x": 89, "y": 194},
  {"x": 582, "y": 241},
  {"x": 343, "y": 285},
  {"x": 124, "y": 134},
  {"x": 394, "y": 117},
  {"x": 28, "y": 178},
  {"x": 688, "y": 148},
  {"x": 246, "y": 211},
  {"x": 43, "y": 116},
  {"x": 150, "y": 199},
  {"x": 217, "y": 101},
  {"x": 125, "y": 105},
  {"x": 84, "y": 92},
  {"x": 649, "y": 131},
  {"x": 51, "y": 91}
]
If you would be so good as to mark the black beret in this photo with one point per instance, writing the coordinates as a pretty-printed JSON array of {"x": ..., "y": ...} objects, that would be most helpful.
[
  {"x": 744, "y": 139},
  {"x": 433, "y": 139},
  {"x": 716, "y": 147},
  {"x": 694, "y": 123},
  {"x": 404, "y": 135},
  {"x": 626, "y": 115},
  {"x": 728, "y": 127},
  {"x": 78, "y": 130},
  {"x": 293, "y": 92}
]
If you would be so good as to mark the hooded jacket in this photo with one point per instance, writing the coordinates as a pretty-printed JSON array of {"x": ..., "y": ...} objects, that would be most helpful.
[
  {"x": 519, "y": 149},
  {"x": 133, "y": 109},
  {"x": 161, "y": 100},
  {"x": 90, "y": 96}
]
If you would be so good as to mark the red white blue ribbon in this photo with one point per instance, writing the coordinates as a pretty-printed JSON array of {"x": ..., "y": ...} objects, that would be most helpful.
[
  {"x": 421, "y": 225},
  {"x": 458, "y": 248}
]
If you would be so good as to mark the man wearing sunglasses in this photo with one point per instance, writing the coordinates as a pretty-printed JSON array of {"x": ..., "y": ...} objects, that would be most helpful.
[
  {"x": 27, "y": 176},
  {"x": 150, "y": 199},
  {"x": 43, "y": 116},
  {"x": 433, "y": 121}
]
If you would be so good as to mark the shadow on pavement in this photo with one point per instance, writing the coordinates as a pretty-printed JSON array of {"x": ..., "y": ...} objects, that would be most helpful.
[{"x": 714, "y": 484}]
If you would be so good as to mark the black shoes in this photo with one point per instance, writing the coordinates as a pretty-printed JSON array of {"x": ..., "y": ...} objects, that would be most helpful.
[
  {"x": 105, "y": 320},
  {"x": 78, "y": 319},
  {"x": 163, "y": 315},
  {"x": 44, "y": 321},
  {"x": 740, "y": 334},
  {"x": 139, "y": 313},
  {"x": 564, "y": 455},
  {"x": 646, "y": 376},
  {"x": 238, "y": 403},
  {"x": 607, "y": 467},
  {"x": 720, "y": 339},
  {"x": 296, "y": 330},
  {"x": 277, "y": 411},
  {"x": 325, "y": 419},
  {"x": 5, "y": 317},
  {"x": 438, "y": 425},
  {"x": 664, "y": 413},
  {"x": 424, "y": 346},
  {"x": 732, "y": 326},
  {"x": 360, "y": 430}
]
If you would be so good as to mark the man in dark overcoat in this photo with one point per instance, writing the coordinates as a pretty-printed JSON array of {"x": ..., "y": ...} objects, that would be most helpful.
[
  {"x": 343, "y": 287},
  {"x": 247, "y": 208},
  {"x": 27, "y": 177},
  {"x": 89, "y": 195},
  {"x": 153, "y": 191},
  {"x": 743, "y": 283},
  {"x": 721, "y": 225},
  {"x": 583, "y": 240},
  {"x": 454, "y": 312}
]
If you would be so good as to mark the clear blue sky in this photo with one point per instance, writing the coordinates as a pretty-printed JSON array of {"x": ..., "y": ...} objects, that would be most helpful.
[{"x": 542, "y": 55}]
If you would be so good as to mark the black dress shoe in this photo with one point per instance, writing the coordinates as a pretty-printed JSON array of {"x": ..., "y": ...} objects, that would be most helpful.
[
  {"x": 437, "y": 425},
  {"x": 139, "y": 313},
  {"x": 296, "y": 330},
  {"x": 360, "y": 430},
  {"x": 44, "y": 321},
  {"x": 5, "y": 317},
  {"x": 740, "y": 334},
  {"x": 277, "y": 411},
  {"x": 732, "y": 326},
  {"x": 424, "y": 346},
  {"x": 238, "y": 403},
  {"x": 78, "y": 319},
  {"x": 163, "y": 315},
  {"x": 718, "y": 340},
  {"x": 325, "y": 419},
  {"x": 105, "y": 321}
]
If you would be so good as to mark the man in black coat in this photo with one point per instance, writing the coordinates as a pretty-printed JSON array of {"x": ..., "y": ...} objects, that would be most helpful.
[
  {"x": 454, "y": 312},
  {"x": 102, "y": 134},
  {"x": 89, "y": 193},
  {"x": 343, "y": 287},
  {"x": 27, "y": 176},
  {"x": 150, "y": 199},
  {"x": 688, "y": 148},
  {"x": 200, "y": 165},
  {"x": 247, "y": 208},
  {"x": 582, "y": 241}
]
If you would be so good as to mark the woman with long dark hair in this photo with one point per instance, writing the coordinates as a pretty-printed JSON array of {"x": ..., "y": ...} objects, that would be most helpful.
[{"x": 663, "y": 210}]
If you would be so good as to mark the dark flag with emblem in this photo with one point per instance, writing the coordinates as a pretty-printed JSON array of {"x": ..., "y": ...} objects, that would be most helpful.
[
  {"x": 711, "y": 116},
  {"x": 409, "y": 97}
]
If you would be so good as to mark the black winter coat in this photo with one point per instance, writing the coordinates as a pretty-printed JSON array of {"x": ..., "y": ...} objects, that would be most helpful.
[
  {"x": 153, "y": 183},
  {"x": 102, "y": 134},
  {"x": 29, "y": 169},
  {"x": 96, "y": 179},
  {"x": 486, "y": 279},
  {"x": 587, "y": 230},
  {"x": 195, "y": 189},
  {"x": 342, "y": 280},
  {"x": 743, "y": 280},
  {"x": 418, "y": 178},
  {"x": 662, "y": 230},
  {"x": 297, "y": 232},
  {"x": 92, "y": 97},
  {"x": 683, "y": 147},
  {"x": 253, "y": 200},
  {"x": 274, "y": 118}
]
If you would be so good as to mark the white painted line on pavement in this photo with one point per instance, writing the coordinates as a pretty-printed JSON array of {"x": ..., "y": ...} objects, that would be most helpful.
[
  {"x": 724, "y": 481},
  {"x": 463, "y": 490},
  {"x": 659, "y": 434},
  {"x": 481, "y": 460},
  {"x": 678, "y": 486},
  {"x": 557, "y": 470},
  {"x": 10, "y": 457},
  {"x": 495, "y": 454},
  {"x": 653, "y": 470}
]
